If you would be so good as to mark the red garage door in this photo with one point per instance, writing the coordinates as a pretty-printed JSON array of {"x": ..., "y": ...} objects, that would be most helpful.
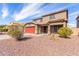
[{"x": 30, "y": 29}]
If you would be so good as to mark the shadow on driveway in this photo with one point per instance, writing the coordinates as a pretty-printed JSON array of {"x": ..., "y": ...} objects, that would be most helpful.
[{"x": 24, "y": 38}]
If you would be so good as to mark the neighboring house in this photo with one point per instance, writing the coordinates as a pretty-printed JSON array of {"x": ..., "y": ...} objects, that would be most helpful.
[
  {"x": 49, "y": 23},
  {"x": 77, "y": 21}
]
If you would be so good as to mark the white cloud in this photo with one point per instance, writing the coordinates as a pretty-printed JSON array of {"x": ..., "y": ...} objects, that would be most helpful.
[
  {"x": 4, "y": 11},
  {"x": 27, "y": 11},
  {"x": 32, "y": 9},
  {"x": 43, "y": 12},
  {"x": 74, "y": 13}
]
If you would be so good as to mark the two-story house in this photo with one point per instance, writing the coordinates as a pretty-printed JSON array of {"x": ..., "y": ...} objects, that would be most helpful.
[{"x": 49, "y": 23}]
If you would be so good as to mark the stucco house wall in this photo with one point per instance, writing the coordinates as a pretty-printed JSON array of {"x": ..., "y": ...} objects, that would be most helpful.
[
  {"x": 57, "y": 15},
  {"x": 57, "y": 18},
  {"x": 75, "y": 31}
]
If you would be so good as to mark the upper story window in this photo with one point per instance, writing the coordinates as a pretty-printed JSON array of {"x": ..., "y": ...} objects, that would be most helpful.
[{"x": 52, "y": 17}]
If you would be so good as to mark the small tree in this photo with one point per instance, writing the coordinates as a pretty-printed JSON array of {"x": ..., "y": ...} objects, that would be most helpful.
[
  {"x": 3, "y": 28},
  {"x": 15, "y": 30},
  {"x": 65, "y": 32}
]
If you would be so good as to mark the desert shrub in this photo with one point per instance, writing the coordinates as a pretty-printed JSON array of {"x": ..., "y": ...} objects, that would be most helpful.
[
  {"x": 53, "y": 36},
  {"x": 3, "y": 28},
  {"x": 15, "y": 30},
  {"x": 0, "y": 29},
  {"x": 65, "y": 32},
  {"x": 15, "y": 34}
]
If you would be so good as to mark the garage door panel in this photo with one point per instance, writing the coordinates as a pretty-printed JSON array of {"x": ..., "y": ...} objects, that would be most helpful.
[{"x": 30, "y": 30}]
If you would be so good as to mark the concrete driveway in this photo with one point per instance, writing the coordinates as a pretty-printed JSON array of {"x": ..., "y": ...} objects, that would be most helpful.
[{"x": 5, "y": 37}]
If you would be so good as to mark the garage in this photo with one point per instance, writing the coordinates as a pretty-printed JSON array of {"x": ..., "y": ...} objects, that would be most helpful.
[{"x": 30, "y": 29}]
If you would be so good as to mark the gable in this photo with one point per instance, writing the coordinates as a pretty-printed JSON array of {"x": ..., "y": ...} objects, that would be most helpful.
[{"x": 53, "y": 16}]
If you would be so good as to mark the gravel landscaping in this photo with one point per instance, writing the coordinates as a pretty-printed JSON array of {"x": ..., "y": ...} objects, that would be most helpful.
[{"x": 40, "y": 45}]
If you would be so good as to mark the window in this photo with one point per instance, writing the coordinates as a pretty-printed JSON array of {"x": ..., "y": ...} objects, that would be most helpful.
[{"x": 52, "y": 17}]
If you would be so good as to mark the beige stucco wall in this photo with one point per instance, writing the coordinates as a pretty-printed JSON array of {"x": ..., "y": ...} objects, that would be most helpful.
[
  {"x": 75, "y": 31},
  {"x": 59, "y": 23},
  {"x": 45, "y": 19},
  {"x": 37, "y": 21},
  {"x": 60, "y": 15}
]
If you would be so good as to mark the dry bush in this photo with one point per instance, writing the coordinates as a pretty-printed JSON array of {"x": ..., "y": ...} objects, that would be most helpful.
[{"x": 53, "y": 37}]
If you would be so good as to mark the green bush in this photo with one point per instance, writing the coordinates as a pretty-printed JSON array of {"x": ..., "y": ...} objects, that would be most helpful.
[
  {"x": 0, "y": 29},
  {"x": 3, "y": 28},
  {"x": 65, "y": 32},
  {"x": 15, "y": 30},
  {"x": 15, "y": 34}
]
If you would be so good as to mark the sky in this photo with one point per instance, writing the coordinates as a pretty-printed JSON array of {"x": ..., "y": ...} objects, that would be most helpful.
[{"x": 26, "y": 12}]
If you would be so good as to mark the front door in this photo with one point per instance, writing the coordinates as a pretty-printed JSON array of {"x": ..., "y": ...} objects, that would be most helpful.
[{"x": 44, "y": 29}]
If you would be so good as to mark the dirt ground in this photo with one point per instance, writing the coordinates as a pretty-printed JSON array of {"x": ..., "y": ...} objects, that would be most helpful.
[{"x": 40, "y": 46}]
